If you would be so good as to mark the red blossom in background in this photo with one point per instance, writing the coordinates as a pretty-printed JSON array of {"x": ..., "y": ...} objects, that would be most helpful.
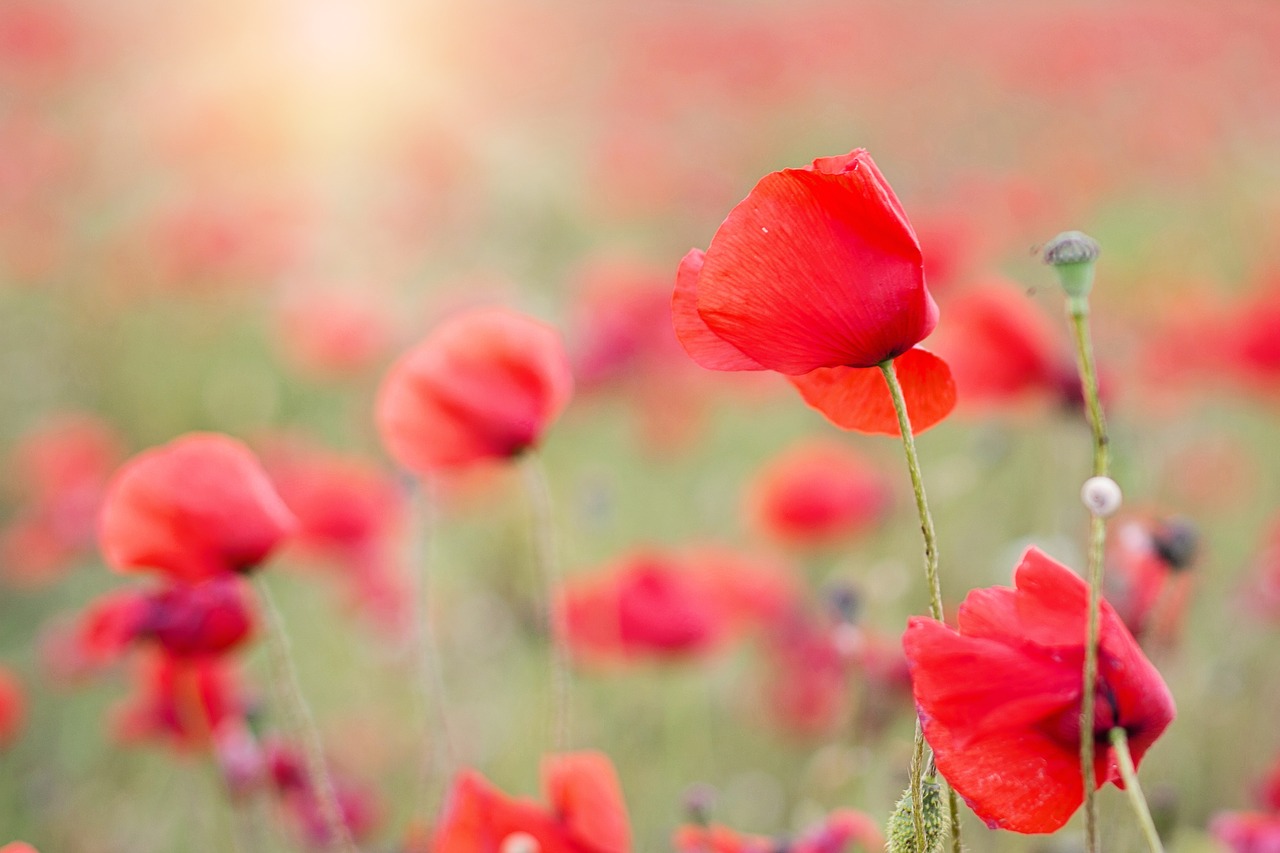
[
  {"x": 1147, "y": 578},
  {"x": 1000, "y": 698},
  {"x": 179, "y": 701},
  {"x": 817, "y": 493},
  {"x": 1247, "y": 832},
  {"x": 332, "y": 334},
  {"x": 844, "y": 831},
  {"x": 13, "y": 708},
  {"x": 484, "y": 385},
  {"x": 192, "y": 509},
  {"x": 669, "y": 606},
  {"x": 818, "y": 275},
  {"x": 585, "y": 814}
]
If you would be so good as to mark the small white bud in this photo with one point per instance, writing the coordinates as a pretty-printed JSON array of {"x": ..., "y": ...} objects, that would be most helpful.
[
  {"x": 1101, "y": 496},
  {"x": 520, "y": 842}
]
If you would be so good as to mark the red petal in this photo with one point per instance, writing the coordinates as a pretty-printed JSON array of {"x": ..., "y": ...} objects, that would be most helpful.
[
  {"x": 817, "y": 268},
  {"x": 703, "y": 345},
  {"x": 477, "y": 818},
  {"x": 858, "y": 398},
  {"x": 587, "y": 798}
]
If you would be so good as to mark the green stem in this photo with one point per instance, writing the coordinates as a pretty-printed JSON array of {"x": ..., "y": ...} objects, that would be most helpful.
[
  {"x": 1120, "y": 744},
  {"x": 1079, "y": 309},
  {"x": 545, "y": 554},
  {"x": 935, "y": 597},
  {"x": 302, "y": 723}
]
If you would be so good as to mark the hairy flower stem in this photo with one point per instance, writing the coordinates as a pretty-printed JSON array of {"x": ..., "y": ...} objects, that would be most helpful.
[
  {"x": 439, "y": 753},
  {"x": 1120, "y": 744},
  {"x": 547, "y": 559},
  {"x": 935, "y": 596},
  {"x": 1079, "y": 310},
  {"x": 301, "y": 722}
]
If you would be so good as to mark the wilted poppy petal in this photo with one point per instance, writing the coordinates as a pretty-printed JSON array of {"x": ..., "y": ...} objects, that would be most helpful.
[
  {"x": 858, "y": 398},
  {"x": 703, "y": 345}
]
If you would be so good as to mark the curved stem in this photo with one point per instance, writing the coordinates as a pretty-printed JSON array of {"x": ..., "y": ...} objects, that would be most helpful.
[
  {"x": 548, "y": 562},
  {"x": 302, "y": 722},
  {"x": 935, "y": 599},
  {"x": 1120, "y": 744},
  {"x": 1097, "y": 544}
]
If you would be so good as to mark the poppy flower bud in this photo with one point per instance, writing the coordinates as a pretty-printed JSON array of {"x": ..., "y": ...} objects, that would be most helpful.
[
  {"x": 484, "y": 385},
  {"x": 193, "y": 509},
  {"x": 902, "y": 825},
  {"x": 1072, "y": 254},
  {"x": 1101, "y": 496}
]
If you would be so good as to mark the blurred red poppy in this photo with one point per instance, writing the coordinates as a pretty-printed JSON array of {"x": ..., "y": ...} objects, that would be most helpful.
[
  {"x": 13, "y": 707},
  {"x": 1247, "y": 832},
  {"x": 817, "y": 493},
  {"x": 192, "y": 509},
  {"x": 818, "y": 275},
  {"x": 1000, "y": 698},
  {"x": 1147, "y": 581},
  {"x": 843, "y": 831},
  {"x": 668, "y": 605},
  {"x": 483, "y": 385},
  {"x": 207, "y": 618},
  {"x": 586, "y": 813},
  {"x": 179, "y": 701},
  {"x": 332, "y": 334},
  {"x": 358, "y": 807}
]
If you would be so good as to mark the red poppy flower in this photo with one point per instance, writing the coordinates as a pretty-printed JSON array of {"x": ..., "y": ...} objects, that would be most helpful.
[
  {"x": 844, "y": 831},
  {"x": 13, "y": 708},
  {"x": 328, "y": 333},
  {"x": 817, "y": 493},
  {"x": 207, "y": 618},
  {"x": 818, "y": 275},
  {"x": 1247, "y": 832},
  {"x": 359, "y": 809},
  {"x": 192, "y": 509},
  {"x": 1147, "y": 581},
  {"x": 181, "y": 701},
  {"x": 18, "y": 847},
  {"x": 586, "y": 813},
  {"x": 668, "y": 606},
  {"x": 1000, "y": 698},
  {"x": 483, "y": 385},
  {"x": 807, "y": 688}
]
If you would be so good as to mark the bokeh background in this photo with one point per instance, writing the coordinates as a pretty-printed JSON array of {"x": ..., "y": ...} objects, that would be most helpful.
[{"x": 233, "y": 215}]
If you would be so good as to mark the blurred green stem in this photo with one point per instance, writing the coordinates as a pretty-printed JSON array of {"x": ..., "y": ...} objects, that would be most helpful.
[
  {"x": 1120, "y": 743},
  {"x": 302, "y": 723},
  {"x": 935, "y": 600},
  {"x": 1079, "y": 311},
  {"x": 547, "y": 559}
]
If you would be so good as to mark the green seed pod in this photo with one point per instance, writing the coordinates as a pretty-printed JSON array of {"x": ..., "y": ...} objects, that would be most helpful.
[
  {"x": 1072, "y": 254},
  {"x": 937, "y": 826}
]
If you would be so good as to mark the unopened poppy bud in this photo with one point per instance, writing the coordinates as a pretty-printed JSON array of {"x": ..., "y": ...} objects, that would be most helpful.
[
  {"x": 1101, "y": 496},
  {"x": 520, "y": 842},
  {"x": 1072, "y": 255},
  {"x": 902, "y": 825}
]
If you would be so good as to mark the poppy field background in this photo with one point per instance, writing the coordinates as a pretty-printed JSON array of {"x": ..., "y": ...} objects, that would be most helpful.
[{"x": 234, "y": 217}]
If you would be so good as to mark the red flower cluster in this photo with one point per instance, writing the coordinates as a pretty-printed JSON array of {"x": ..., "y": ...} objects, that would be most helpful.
[
  {"x": 818, "y": 275},
  {"x": 585, "y": 812},
  {"x": 484, "y": 385},
  {"x": 1000, "y": 698}
]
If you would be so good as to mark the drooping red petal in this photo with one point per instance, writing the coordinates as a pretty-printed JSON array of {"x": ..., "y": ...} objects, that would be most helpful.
[
  {"x": 858, "y": 398},
  {"x": 703, "y": 345},
  {"x": 586, "y": 797},
  {"x": 817, "y": 267},
  {"x": 478, "y": 818}
]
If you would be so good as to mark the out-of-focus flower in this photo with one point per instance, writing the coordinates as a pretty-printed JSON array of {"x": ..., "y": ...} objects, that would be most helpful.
[
  {"x": 13, "y": 708},
  {"x": 817, "y": 493},
  {"x": 1147, "y": 581},
  {"x": 192, "y": 509},
  {"x": 483, "y": 385},
  {"x": 1247, "y": 832},
  {"x": 179, "y": 701},
  {"x": 357, "y": 806},
  {"x": 843, "y": 831},
  {"x": 39, "y": 41},
  {"x": 668, "y": 605},
  {"x": 18, "y": 847},
  {"x": 808, "y": 683},
  {"x": 331, "y": 334},
  {"x": 818, "y": 275},
  {"x": 1002, "y": 350},
  {"x": 585, "y": 812},
  {"x": 1000, "y": 698}
]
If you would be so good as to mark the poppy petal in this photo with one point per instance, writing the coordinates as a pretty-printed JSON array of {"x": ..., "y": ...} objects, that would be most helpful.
[
  {"x": 703, "y": 345},
  {"x": 587, "y": 798},
  {"x": 858, "y": 398},
  {"x": 817, "y": 267}
]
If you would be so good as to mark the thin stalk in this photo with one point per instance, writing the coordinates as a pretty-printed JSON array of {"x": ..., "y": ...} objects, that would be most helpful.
[
  {"x": 1120, "y": 743},
  {"x": 935, "y": 599},
  {"x": 1097, "y": 543},
  {"x": 439, "y": 752},
  {"x": 302, "y": 723},
  {"x": 548, "y": 564}
]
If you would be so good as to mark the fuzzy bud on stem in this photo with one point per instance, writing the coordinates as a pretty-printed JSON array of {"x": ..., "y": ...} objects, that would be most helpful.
[{"x": 937, "y": 825}]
